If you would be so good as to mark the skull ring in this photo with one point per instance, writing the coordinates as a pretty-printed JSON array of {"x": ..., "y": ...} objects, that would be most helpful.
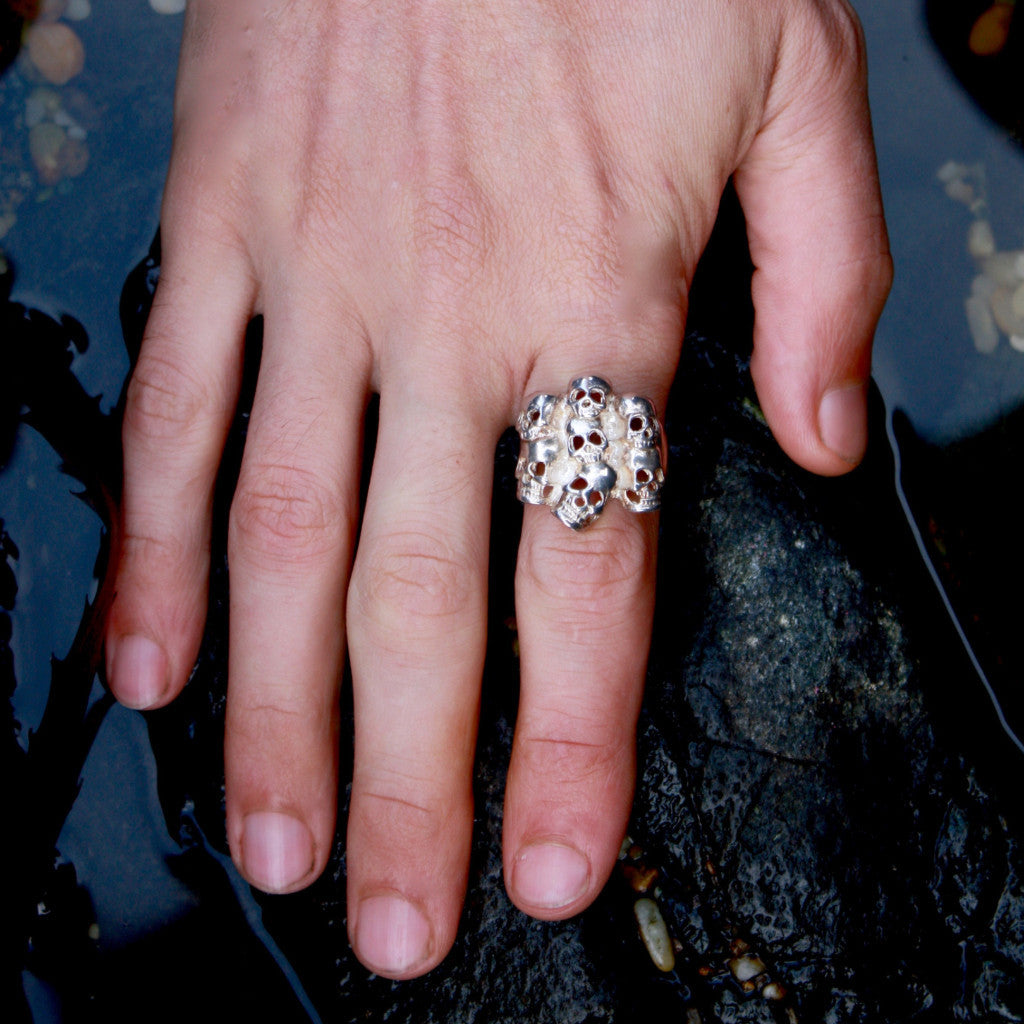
[{"x": 582, "y": 448}]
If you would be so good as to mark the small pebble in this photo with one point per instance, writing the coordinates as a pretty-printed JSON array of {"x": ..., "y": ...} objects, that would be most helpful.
[
  {"x": 744, "y": 968},
  {"x": 654, "y": 932},
  {"x": 981, "y": 324},
  {"x": 44, "y": 143},
  {"x": 1004, "y": 313},
  {"x": 73, "y": 157},
  {"x": 78, "y": 10},
  {"x": 1003, "y": 268},
  {"x": 989, "y": 33},
  {"x": 640, "y": 879},
  {"x": 773, "y": 990},
  {"x": 1018, "y": 301},
  {"x": 51, "y": 10},
  {"x": 42, "y": 104},
  {"x": 980, "y": 240},
  {"x": 1017, "y": 342},
  {"x": 961, "y": 191},
  {"x": 167, "y": 6},
  {"x": 56, "y": 51}
]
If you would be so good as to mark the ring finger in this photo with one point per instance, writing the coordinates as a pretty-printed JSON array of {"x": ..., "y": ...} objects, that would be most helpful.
[{"x": 584, "y": 607}]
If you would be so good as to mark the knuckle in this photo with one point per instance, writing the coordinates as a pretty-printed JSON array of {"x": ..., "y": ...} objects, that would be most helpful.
[
  {"x": 590, "y": 572},
  {"x": 846, "y": 35},
  {"x": 285, "y": 514},
  {"x": 834, "y": 44},
  {"x": 410, "y": 807},
  {"x": 165, "y": 400},
  {"x": 264, "y": 717},
  {"x": 567, "y": 761},
  {"x": 160, "y": 556},
  {"x": 411, "y": 576}
]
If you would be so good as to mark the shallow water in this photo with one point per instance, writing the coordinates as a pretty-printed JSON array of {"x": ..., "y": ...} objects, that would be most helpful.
[{"x": 73, "y": 244}]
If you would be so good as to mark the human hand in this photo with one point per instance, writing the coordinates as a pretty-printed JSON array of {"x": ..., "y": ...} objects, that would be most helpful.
[{"x": 456, "y": 205}]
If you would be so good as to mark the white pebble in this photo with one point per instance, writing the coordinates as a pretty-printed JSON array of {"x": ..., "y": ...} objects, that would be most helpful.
[
  {"x": 77, "y": 10},
  {"x": 1003, "y": 268},
  {"x": 167, "y": 6},
  {"x": 980, "y": 240},
  {"x": 982, "y": 287},
  {"x": 1017, "y": 342},
  {"x": 746, "y": 967},
  {"x": 1003, "y": 311},
  {"x": 961, "y": 191},
  {"x": 982, "y": 326},
  {"x": 654, "y": 932},
  {"x": 951, "y": 170}
]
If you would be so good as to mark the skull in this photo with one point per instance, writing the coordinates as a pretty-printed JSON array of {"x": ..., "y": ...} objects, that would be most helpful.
[
  {"x": 644, "y": 477},
  {"x": 588, "y": 395},
  {"x": 535, "y": 419},
  {"x": 586, "y": 494},
  {"x": 642, "y": 430},
  {"x": 534, "y": 472},
  {"x": 586, "y": 440}
]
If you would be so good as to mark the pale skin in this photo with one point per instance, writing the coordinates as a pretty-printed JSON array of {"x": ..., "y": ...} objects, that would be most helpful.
[{"x": 455, "y": 204}]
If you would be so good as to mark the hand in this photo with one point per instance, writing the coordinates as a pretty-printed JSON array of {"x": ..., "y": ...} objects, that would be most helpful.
[{"x": 458, "y": 204}]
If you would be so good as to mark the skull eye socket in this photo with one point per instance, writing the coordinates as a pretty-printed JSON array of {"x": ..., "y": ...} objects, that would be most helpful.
[
  {"x": 595, "y": 498},
  {"x": 534, "y": 415},
  {"x": 597, "y": 396},
  {"x": 595, "y": 437},
  {"x": 636, "y": 424},
  {"x": 642, "y": 476},
  {"x": 578, "y": 394},
  {"x": 577, "y": 443},
  {"x": 538, "y": 468},
  {"x": 579, "y": 484},
  {"x": 633, "y": 497}
]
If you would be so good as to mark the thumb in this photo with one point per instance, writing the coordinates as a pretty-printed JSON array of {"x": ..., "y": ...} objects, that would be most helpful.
[{"x": 810, "y": 194}]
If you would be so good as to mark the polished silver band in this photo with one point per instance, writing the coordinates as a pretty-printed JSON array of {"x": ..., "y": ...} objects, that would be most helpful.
[{"x": 579, "y": 449}]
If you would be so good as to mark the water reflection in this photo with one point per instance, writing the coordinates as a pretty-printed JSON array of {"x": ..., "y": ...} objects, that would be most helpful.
[
  {"x": 948, "y": 107},
  {"x": 926, "y": 361}
]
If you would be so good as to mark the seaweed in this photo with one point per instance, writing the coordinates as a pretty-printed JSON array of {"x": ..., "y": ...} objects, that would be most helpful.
[{"x": 42, "y": 769}]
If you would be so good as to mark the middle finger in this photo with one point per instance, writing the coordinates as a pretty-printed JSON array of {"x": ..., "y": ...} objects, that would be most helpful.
[{"x": 417, "y": 623}]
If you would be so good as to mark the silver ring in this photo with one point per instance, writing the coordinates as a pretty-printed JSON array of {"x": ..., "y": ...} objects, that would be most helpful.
[{"x": 582, "y": 448}]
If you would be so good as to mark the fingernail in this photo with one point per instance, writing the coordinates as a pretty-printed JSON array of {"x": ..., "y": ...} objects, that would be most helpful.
[
  {"x": 843, "y": 421},
  {"x": 138, "y": 673},
  {"x": 392, "y": 934},
  {"x": 277, "y": 850},
  {"x": 550, "y": 875}
]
